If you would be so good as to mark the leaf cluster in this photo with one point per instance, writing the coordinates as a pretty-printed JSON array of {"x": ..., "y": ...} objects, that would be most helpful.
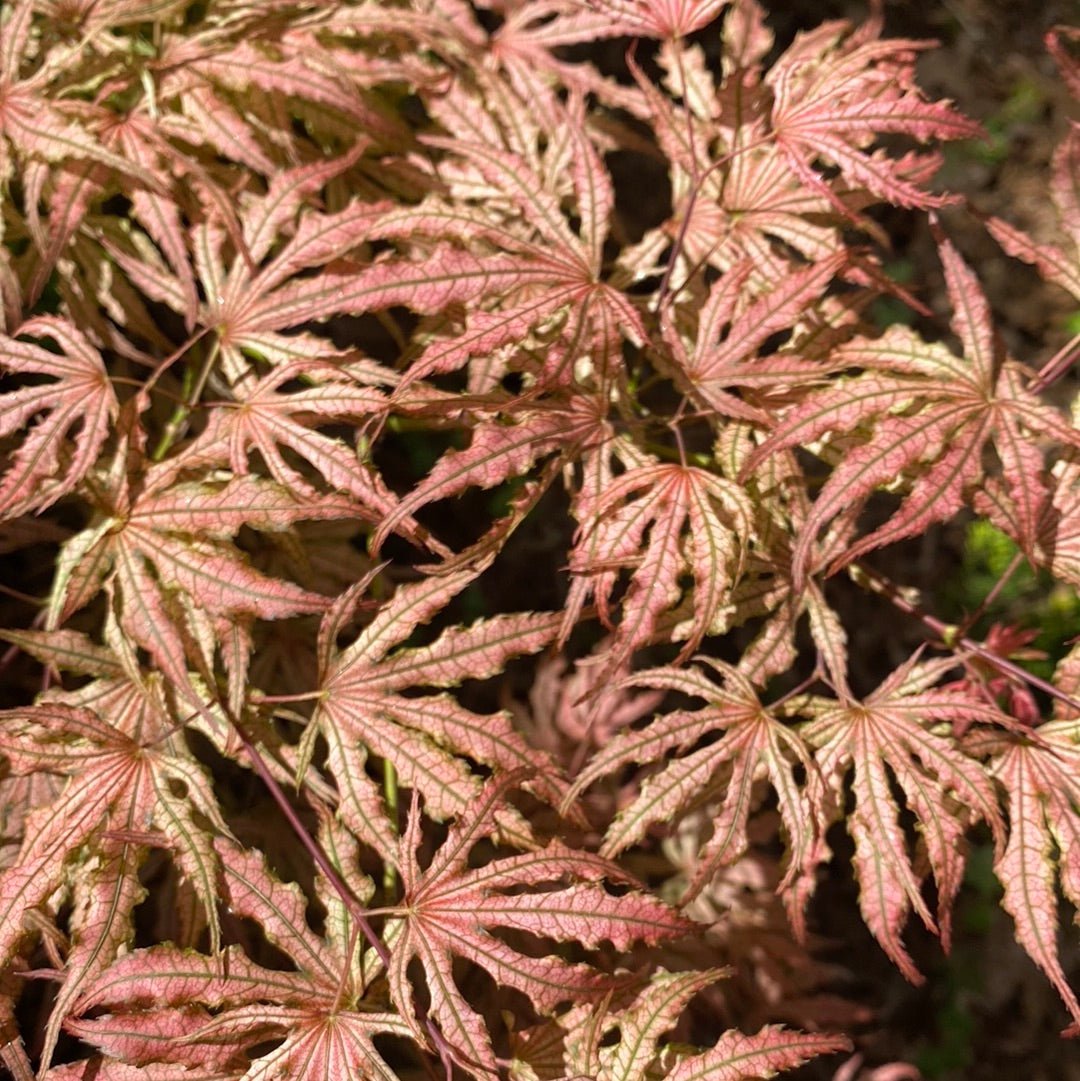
[{"x": 255, "y": 259}]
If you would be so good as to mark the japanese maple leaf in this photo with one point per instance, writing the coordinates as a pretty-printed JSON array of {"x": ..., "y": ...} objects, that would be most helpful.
[
  {"x": 36, "y": 119},
  {"x": 625, "y": 1044},
  {"x": 753, "y": 743},
  {"x": 73, "y": 414},
  {"x": 712, "y": 366},
  {"x": 528, "y": 46},
  {"x": 1057, "y": 263},
  {"x": 1041, "y": 778},
  {"x": 531, "y": 47},
  {"x": 933, "y": 414},
  {"x": 249, "y": 282},
  {"x": 163, "y": 557},
  {"x": 157, "y": 143},
  {"x": 366, "y": 705},
  {"x": 835, "y": 94},
  {"x": 206, "y": 1011},
  {"x": 559, "y": 268},
  {"x": 888, "y": 739},
  {"x": 698, "y": 524},
  {"x": 451, "y": 909},
  {"x": 740, "y": 212},
  {"x": 270, "y": 420},
  {"x": 734, "y": 194},
  {"x": 132, "y": 782}
]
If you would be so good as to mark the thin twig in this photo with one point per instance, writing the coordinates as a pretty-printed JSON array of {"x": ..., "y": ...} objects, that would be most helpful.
[
  {"x": 999, "y": 585},
  {"x": 952, "y": 637},
  {"x": 442, "y": 1047},
  {"x": 1057, "y": 365}
]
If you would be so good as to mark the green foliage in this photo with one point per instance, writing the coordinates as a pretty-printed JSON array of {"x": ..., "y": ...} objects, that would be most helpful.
[{"x": 1028, "y": 599}]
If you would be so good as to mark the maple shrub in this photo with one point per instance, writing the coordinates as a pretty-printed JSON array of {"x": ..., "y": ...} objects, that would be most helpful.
[{"x": 423, "y": 653}]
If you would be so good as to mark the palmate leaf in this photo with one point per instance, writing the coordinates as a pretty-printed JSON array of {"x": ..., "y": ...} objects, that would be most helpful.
[
  {"x": 561, "y": 268},
  {"x": 888, "y": 737},
  {"x": 74, "y": 190},
  {"x": 933, "y": 414},
  {"x": 132, "y": 781},
  {"x": 697, "y": 524},
  {"x": 449, "y": 909},
  {"x": 250, "y": 282},
  {"x": 163, "y": 555},
  {"x": 712, "y": 366},
  {"x": 626, "y": 1044},
  {"x": 753, "y": 743},
  {"x": 642, "y": 1024},
  {"x": 740, "y": 214},
  {"x": 734, "y": 193},
  {"x": 36, "y": 122},
  {"x": 365, "y": 705},
  {"x": 530, "y": 45},
  {"x": 271, "y": 420},
  {"x": 74, "y": 414},
  {"x": 836, "y": 92},
  {"x": 1042, "y": 788},
  {"x": 782, "y": 506},
  {"x": 223, "y": 1005}
]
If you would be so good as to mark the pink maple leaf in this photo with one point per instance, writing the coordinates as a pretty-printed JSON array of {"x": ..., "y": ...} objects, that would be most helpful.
[
  {"x": 449, "y": 909},
  {"x": 73, "y": 414}
]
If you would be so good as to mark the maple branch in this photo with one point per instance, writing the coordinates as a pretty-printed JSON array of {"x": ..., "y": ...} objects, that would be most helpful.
[
  {"x": 183, "y": 411},
  {"x": 303, "y": 835},
  {"x": 19, "y": 595},
  {"x": 173, "y": 357},
  {"x": 951, "y": 635},
  {"x": 998, "y": 586},
  {"x": 665, "y": 296},
  {"x": 1057, "y": 365},
  {"x": 318, "y": 855}
]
